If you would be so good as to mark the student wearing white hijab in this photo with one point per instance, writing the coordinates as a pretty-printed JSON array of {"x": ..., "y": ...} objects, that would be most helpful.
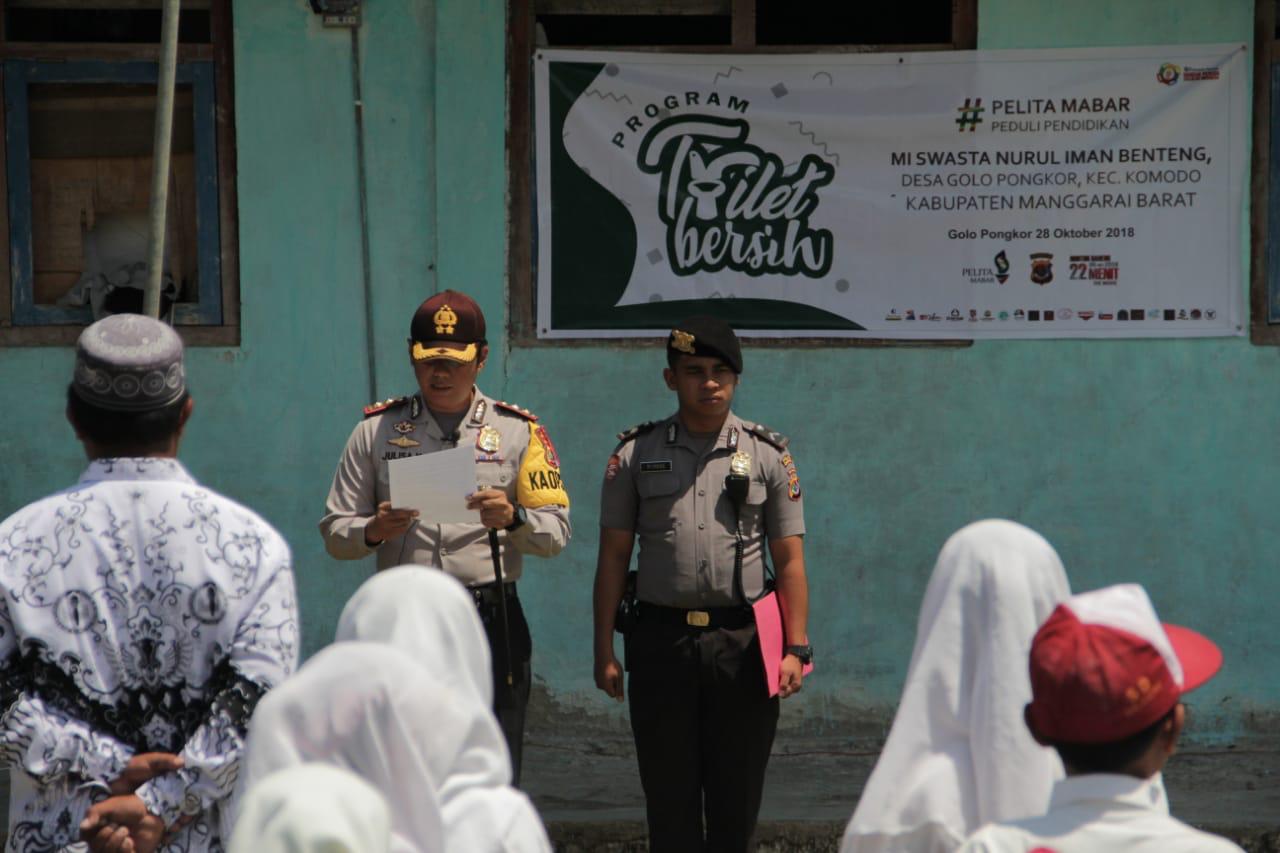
[
  {"x": 959, "y": 755},
  {"x": 366, "y": 708},
  {"x": 430, "y": 616},
  {"x": 312, "y": 808}
]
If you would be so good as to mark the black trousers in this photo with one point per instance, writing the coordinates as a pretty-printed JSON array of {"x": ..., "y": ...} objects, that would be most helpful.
[
  {"x": 703, "y": 726},
  {"x": 509, "y": 702}
]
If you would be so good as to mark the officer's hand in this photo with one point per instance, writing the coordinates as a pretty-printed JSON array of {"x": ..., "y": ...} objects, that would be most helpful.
[
  {"x": 609, "y": 677},
  {"x": 388, "y": 523},
  {"x": 790, "y": 675},
  {"x": 496, "y": 510}
]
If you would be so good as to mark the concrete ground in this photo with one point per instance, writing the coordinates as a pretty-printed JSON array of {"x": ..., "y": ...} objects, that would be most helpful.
[{"x": 583, "y": 779}]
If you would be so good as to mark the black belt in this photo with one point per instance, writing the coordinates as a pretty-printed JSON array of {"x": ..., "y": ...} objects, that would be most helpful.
[
  {"x": 487, "y": 594},
  {"x": 710, "y": 617}
]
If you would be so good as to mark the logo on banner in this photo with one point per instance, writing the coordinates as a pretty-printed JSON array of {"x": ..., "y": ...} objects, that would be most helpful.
[
  {"x": 728, "y": 204},
  {"x": 1002, "y": 267},
  {"x": 970, "y": 114},
  {"x": 1170, "y": 74},
  {"x": 1041, "y": 268}
]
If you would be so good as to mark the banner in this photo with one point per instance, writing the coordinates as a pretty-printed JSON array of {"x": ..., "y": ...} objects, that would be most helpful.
[{"x": 980, "y": 194}]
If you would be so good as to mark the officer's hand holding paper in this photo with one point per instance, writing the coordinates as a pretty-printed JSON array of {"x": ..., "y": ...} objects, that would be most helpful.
[{"x": 435, "y": 484}]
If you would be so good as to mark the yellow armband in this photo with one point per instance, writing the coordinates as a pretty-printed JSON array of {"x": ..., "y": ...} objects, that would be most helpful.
[{"x": 540, "y": 483}]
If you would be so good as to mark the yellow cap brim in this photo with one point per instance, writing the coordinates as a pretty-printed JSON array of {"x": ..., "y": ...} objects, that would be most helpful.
[{"x": 463, "y": 356}]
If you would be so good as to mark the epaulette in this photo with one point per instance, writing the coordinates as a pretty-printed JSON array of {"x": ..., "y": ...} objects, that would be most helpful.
[
  {"x": 374, "y": 408},
  {"x": 761, "y": 431},
  {"x": 637, "y": 430},
  {"x": 515, "y": 410}
]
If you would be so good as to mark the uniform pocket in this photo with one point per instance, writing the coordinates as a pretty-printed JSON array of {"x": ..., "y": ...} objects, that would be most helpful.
[{"x": 658, "y": 492}]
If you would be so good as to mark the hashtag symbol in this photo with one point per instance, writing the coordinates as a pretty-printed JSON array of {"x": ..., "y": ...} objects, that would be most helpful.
[{"x": 970, "y": 114}]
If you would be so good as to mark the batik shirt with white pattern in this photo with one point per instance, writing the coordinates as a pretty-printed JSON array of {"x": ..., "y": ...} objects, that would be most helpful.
[{"x": 141, "y": 612}]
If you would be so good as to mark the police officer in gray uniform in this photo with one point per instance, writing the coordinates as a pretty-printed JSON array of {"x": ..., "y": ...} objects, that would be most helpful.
[
  {"x": 519, "y": 491},
  {"x": 712, "y": 499}
]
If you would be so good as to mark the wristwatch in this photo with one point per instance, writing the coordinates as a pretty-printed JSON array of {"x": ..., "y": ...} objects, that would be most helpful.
[
  {"x": 519, "y": 521},
  {"x": 804, "y": 653}
]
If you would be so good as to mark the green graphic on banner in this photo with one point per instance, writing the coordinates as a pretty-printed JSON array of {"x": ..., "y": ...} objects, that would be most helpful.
[{"x": 593, "y": 235}]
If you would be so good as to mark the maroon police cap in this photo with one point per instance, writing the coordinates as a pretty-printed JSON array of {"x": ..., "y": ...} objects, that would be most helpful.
[{"x": 448, "y": 325}]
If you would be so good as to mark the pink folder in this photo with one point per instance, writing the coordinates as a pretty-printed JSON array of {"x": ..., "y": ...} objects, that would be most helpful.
[{"x": 769, "y": 628}]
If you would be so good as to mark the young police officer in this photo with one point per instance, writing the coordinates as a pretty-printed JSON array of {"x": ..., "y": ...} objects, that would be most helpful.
[
  {"x": 519, "y": 489},
  {"x": 705, "y": 492}
]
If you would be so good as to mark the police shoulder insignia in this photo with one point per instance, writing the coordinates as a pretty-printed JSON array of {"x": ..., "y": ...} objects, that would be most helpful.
[
  {"x": 637, "y": 430},
  {"x": 390, "y": 402},
  {"x": 761, "y": 431},
  {"x": 515, "y": 410}
]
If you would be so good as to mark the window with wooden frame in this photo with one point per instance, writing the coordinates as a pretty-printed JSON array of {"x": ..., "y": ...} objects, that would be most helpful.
[
  {"x": 79, "y": 85},
  {"x": 691, "y": 26},
  {"x": 1264, "y": 286}
]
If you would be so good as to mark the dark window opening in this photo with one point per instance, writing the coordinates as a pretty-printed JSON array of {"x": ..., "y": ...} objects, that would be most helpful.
[
  {"x": 835, "y": 22},
  {"x": 102, "y": 26},
  {"x": 634, "y": 30}
]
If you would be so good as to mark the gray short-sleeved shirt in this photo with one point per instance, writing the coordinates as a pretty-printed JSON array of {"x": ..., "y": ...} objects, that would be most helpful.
[{"x": 664, "y": 487}]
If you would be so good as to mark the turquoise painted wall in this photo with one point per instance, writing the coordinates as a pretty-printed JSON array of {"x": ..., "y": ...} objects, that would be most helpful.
[{"x": 1147, "y": 461}]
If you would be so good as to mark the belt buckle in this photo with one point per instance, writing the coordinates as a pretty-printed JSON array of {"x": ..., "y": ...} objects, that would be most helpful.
[{"x": 697, "y": 618}]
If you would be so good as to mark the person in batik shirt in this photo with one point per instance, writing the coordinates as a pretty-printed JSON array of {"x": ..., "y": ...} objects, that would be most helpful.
[{"x": 142, "y": 618}]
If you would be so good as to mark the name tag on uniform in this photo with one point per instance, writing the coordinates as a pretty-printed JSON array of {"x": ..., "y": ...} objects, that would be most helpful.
[{"x": 656, "y": 465}]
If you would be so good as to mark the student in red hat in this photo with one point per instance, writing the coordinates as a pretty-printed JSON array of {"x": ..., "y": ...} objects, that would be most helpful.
[{"x": 1107, "y": 681}]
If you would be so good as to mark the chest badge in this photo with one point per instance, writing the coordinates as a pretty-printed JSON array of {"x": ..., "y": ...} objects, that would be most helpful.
[
  {"x": 403, "y": 441},
  {"x": 404, "y": 427},
  {"x": 740, "y": 464},
  {"x": 489, "y": 440}
]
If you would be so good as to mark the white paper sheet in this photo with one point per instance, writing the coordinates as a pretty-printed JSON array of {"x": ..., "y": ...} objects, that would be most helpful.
[{"x": 436, "y": 485}]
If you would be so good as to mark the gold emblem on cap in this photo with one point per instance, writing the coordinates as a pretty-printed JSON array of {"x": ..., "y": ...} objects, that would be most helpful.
[
  {"x": 489, "y": 440},
  {"x": 445, "y": 320},
  {"x": 682, "y": 341},
  {"x": 403, "y": 441},
  {"x": 740, "y": 464}
]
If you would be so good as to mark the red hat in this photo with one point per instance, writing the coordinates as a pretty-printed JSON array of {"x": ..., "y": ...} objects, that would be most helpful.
[
  {"x": 1104, "y": 668},
  {"x": 448, "y": 325}
]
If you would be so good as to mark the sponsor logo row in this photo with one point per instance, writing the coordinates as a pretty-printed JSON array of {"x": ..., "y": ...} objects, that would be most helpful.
[
  {"x": 1040, "y": 315},
  {"x": 1094, "y": 269}
]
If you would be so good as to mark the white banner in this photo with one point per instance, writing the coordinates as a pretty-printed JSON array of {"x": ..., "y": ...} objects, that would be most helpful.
[{"x": 982, "y": 194}]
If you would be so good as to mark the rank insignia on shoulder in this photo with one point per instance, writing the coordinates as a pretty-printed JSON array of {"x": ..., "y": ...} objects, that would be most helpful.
[
  {"x": 375, "y": 408},
  {"x": 761, "y": 431},
  {"x": 639, "y": 429},
  {"x": 515, "y": 410}
]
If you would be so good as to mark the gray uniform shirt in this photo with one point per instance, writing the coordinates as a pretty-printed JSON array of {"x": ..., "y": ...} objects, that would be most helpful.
[
  {"x": 525, "y": 466},
  {"x": 662, "y": 485}
]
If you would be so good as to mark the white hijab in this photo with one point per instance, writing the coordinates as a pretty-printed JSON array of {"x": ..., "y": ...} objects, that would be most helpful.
[
  {"x": 429, "y": 616},
  {"x": 959, "y": 754},
  {"x": 312, "y": 808},
  {"x": 367, "y": 708}
]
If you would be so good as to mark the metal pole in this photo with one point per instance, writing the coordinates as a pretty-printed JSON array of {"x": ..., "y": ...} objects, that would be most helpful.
[{"x": 160, "y": 155}]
